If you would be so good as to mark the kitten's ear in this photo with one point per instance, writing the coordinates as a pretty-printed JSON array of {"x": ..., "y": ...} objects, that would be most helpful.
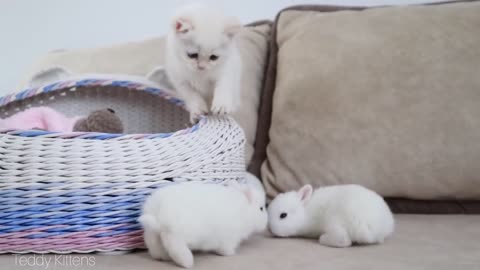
[
  {"x": 182, "y": 25},
  {"x": 232, "y": 27}
]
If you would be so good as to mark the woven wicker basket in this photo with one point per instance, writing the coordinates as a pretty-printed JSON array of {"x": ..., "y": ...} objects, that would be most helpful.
[{"x": 82, "y": 192}]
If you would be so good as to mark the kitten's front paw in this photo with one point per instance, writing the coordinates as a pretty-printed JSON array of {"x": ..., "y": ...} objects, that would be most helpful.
[
  {"x": 223, "y": 104},
  {"x": 197, "y": 108},
  {"x": 194, "y": 118}
]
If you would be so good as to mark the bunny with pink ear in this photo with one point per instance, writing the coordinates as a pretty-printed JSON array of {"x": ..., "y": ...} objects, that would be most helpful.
[
  {"x": 337, "y": 215},
  {"x": 195, "y": 216}
]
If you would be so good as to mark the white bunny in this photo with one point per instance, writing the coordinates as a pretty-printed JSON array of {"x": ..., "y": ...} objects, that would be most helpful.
[
  {"x": 186, "y": 217},
  {"x": 254, "y": 182},
  {"x": 339, "y": 215}
]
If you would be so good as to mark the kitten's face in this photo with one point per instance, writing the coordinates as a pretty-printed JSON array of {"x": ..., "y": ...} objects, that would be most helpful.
[
  {"x": 203, "y": 44},
  {"x": 202, "y": 57}
]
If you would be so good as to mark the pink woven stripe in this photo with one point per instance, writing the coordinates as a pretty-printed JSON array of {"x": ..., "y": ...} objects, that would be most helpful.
[
  {"x": 79, "y": 241},
  {"x": 85, "y": 239},
  {"x": 26, "y": 233},
  {"x": 101, "y": 82},
  {"x": 89, "y": 244}
]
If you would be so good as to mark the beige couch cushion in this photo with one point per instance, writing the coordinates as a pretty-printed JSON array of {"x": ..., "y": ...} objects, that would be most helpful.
[
  {"x": 140, "y": 58},
  {"x": 420, "y": 242},
  {"x": 387, "y": 98}
]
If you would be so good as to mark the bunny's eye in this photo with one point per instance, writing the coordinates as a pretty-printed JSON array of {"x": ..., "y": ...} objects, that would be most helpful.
[
  {"x": 283, "y": 215},
  {"x": 213, "y": 57},
  {"x": 261, "y": 209}
]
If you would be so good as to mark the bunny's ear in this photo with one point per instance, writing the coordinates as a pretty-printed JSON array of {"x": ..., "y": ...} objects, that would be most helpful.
[
  {"x": 305, "y": 193},
  {"x": 245, "y": 189},
  {"x": 248, "y": 193}
]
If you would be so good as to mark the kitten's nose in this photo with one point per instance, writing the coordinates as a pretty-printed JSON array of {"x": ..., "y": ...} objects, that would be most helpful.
[{"x": 201, "y": 66}]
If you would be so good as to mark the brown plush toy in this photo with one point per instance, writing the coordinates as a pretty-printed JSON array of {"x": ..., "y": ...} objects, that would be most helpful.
[{"x": 104, "y": 121}]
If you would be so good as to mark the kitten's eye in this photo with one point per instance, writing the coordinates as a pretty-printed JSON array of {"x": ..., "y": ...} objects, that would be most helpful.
[
  {"x": 261, "y": 209},
  {"x": 283, "y": 215},
  {"x": 192, "y": 55},
  {"x": 213, "y": 57}
]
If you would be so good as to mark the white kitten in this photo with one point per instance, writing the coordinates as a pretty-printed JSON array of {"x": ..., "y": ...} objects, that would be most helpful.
[{"x": 202, "y": 60}]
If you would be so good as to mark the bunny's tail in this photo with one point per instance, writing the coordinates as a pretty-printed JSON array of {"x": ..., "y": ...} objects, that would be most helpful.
[{"x": 149, "y": 222}]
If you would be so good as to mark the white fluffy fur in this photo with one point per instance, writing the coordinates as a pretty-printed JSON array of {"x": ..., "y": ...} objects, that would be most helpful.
[
  {"x": 339, "y": 215},
  {"x": 187, "y": 217},
  {"x": 201, "y": 82},
  {"x": 254, "y": 182}
]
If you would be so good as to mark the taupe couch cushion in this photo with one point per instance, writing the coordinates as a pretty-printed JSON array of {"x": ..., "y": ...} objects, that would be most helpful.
[
  {"x": 140, "y": 58},
  {"x": 387, "y": 98},
  {"x": 420, "y": 242}
]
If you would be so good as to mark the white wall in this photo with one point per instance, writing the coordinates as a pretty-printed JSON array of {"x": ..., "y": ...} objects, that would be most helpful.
[{"x": 31, "y": 28}]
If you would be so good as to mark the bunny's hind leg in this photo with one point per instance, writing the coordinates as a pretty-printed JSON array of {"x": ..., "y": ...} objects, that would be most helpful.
[
  {"x": 228, "y": 248},
  {"x": 335, "y": 236},
  {"x": 177, "y": 249},
  {"x": 155, "y": 246}
]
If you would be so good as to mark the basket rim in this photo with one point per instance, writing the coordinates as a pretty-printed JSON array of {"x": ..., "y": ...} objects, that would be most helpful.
[{"x": 129, "y": 84}]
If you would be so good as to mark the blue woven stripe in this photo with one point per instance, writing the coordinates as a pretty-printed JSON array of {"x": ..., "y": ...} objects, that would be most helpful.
[
  {"x": 99, "y": 235},
  {"x": 123, "y": 83},
  {"x": 85, "y": 82},
  {"x": 34, "y": 133},
  {"x": 96, "y": 136},
  {"x": 81, "y": 228},
  {"x": 115, "y": 232},
  {"x": 78, "y": 210},
  {"x": 42, "y": 222},
  {"x": 21, "y": 95},
  {"x": 50, "y": 87},
  {"x": 63, "y": 210},
  {"x": 152, "y": 90},
  {"x": 69, "y": 228},
  {"x": 73, "y": 225},
  {"x": 160, "y": 135},
  {"x": 67, "y": 201}
]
